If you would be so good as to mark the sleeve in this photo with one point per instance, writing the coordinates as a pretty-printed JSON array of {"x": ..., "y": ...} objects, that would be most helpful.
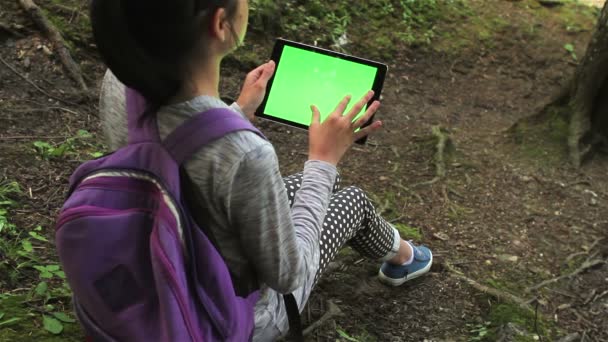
[
  {"x": 281, "y": 242},
  {"x": 112, "y": 111}
]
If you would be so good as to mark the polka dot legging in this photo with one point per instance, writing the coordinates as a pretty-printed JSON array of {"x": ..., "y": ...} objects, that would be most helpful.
[{"x": 351, "y": 218}]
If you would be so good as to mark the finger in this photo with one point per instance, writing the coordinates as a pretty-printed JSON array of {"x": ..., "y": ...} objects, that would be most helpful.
[
  {"x": 371, "y": 110},
  {"x": 342, "y": 105},
  {"x": 360, "y": 104},
  {"x": 316, "y": 116},
  {"x": 255, "y": 74},
  {"x": 367, "y": 130},
  {"x": 267, "y": 72}
]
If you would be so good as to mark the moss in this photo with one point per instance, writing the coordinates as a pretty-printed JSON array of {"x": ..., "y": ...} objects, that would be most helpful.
[
  {"x": 408, "y": 232},
  {"x": 502, "y": 314},
  {"x": 543, "y": 140}
]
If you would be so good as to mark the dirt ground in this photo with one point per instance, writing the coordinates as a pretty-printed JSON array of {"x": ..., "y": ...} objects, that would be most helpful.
[{"x": 507, "y": 214}]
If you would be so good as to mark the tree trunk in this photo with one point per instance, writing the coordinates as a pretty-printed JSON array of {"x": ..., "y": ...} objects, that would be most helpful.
[{"x": 588, "y": 96}]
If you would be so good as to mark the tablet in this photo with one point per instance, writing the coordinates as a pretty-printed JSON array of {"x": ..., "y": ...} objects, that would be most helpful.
[{"x": 307, "y": 75}]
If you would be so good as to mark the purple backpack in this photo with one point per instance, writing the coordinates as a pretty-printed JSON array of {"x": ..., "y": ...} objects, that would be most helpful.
[{"x": 139, "y": 266}]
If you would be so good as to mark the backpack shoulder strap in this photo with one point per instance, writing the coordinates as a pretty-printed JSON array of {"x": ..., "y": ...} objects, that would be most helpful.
[{"x": 202, "y": 129}]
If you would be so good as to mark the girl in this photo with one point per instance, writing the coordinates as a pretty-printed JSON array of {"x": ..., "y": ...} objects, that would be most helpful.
[{"x": 275, "y": 234}]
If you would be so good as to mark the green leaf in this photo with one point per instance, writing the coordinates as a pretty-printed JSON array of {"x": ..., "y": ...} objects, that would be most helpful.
[
  {"x": 1, "y": 315},
  {"x": 46, "y": 275},
  {"x": 27, "y": 246},
  {"x": 10, "y": 321},
  {"x": 39, "y": 228},
  {"x": 59, "y": 151},
  {"x": 41, "y": 288},
  {"x": 43, "y": 145},
  {"x": 63, "y": 317},
  {"x": 52, "y": 325},
  {"x": 96, "y": 154},
  {"x": 52, "y": 268},
  {"x": 84, "y": 133},
  {"x": 38, "y": 237},
  {"x": 569, "y": 47},
  {"x": 60, "y": 274},
  {"x": 345, "y": 336}
]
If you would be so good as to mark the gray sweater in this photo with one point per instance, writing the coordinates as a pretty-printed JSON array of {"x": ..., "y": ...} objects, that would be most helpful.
[{"x": 248, "y": 211}]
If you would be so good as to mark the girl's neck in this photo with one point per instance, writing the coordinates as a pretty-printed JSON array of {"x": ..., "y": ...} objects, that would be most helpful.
[{"x": 204, "y": 81}]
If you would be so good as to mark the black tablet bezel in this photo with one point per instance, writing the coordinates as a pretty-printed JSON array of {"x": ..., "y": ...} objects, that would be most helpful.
[{"x": 276, "y": 57}]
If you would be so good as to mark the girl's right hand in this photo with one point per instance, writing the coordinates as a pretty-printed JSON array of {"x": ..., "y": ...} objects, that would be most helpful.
[{"x": 329, "y": 141}]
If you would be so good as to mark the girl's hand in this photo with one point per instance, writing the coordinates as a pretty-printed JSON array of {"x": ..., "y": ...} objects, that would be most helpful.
[
  {"x": 328, "y": 141},
  {"x": 254, "y": 89}
]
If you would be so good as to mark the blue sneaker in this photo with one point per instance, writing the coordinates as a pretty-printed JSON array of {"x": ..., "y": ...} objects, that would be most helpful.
[{"x": 396, "y": 275}]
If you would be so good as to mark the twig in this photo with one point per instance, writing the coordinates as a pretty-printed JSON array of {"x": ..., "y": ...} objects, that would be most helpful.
[
  {"x": 9, "y": 28},
  {"x": 34, "y": 84},
  {"x": 586, "y": 265},
  {"x": 500, "y": 295},
  {"x": 53, "y": 34},
  {"x": 332, "y": 311}
]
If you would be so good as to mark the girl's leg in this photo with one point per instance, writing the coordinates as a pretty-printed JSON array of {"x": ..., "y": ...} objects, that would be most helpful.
[{"x": 351, "y": 218}]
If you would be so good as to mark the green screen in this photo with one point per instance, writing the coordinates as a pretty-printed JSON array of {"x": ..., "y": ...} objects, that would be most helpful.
[{"x": 304, "y": 78}]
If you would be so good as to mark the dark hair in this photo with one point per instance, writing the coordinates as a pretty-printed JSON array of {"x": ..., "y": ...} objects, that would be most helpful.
[{"x": 147, "y": 43}]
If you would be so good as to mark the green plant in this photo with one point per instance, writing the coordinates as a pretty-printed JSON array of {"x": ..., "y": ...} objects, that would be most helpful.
[
  {"x": 570, "y": 48},
  {"x": 71, "y": 146},
  {"x": 17, "y": 248},
  {"x": 7, "y": 189},
  {"x": 363, "y": 337},
  {"x": 408, "y": 232},
  {"x": 479, "y": 331}
]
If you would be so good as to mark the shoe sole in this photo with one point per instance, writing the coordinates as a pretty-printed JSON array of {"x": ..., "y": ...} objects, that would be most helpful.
[{"x": 399, "y": 281}]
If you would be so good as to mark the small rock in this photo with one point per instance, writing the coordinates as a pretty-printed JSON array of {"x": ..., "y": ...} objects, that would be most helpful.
[
  {"x": 488, "y": 262},
  {"x": 27, "y": 63},
  {"x": 46, "y": 50},
  {"x": 507, "y": 257},
  {"x": 441, "y": 236},
  {"x": 526, "y": 179},
  {"x": 593, "y": 202},
  {"x": 383, "y": 178}
]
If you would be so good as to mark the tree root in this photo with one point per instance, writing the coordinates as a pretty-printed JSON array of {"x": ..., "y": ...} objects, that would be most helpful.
[
  {"x": 10, "y": 29},
  {"x": 499, "y": 295},
  {"x": 588, "y": 263},
  {"x": 443, "y": 142},
  {"x": 332, "y": 311},
  {"x": 55, "y": 37}
]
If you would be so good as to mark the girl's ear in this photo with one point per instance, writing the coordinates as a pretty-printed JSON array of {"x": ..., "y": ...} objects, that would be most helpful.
[{"x": 219, "y": 25}]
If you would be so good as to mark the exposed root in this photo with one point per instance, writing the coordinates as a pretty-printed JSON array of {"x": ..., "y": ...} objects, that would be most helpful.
[
  {"x": 55, "y": 37},
  {"x": 332, "y": 311},
  {"x": 10, "y": 29},
  {"x": 590, "y": 262},
  {"x": 443, "y": 142},
  {"x": 499, "y": 295}
]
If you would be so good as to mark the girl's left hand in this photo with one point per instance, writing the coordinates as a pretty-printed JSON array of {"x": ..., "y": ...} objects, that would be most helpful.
[{"x": 254, "y": 89}]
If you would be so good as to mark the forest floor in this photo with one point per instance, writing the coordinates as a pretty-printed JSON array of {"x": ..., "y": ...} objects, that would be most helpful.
[{"x": 509, "y": 213}]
